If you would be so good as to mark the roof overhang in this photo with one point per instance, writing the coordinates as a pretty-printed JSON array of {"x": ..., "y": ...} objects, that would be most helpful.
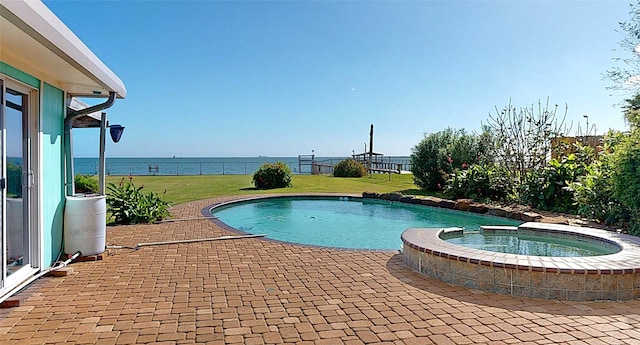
[{"x": 37, "y": 42}]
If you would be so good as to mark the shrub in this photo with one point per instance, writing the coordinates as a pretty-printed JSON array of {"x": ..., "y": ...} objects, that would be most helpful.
[
  {"x": 550, "y": 188},
  {"x": 129, "y": 205},
  {"x": 349, "y": 168},
  {"x": 86, "y": 184},
  {"x": 438, "y": 154},
  {"x": 626, "y": 180},
  {"x": 594, "y": 197},
  {"x": 593, "y": 193},
  {"x": 480, "y": 182},
  {"x": 276, "y": 175}
]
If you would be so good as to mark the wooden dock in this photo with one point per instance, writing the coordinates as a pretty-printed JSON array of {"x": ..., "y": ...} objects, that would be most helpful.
[
  {"x": 375, "y": 163},
  {"x": 386, "y": 168},
  {"x": 383, "y": 167}
]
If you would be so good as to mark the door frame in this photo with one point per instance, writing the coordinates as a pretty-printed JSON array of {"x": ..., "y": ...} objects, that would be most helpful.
[{"x": 33, "y": 178}]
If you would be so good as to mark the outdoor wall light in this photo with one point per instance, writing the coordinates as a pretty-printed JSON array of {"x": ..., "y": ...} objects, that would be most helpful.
[{"x": 116, "y": 132}]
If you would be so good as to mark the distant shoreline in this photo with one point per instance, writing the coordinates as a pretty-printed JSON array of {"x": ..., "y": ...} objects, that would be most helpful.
[
  {"x": 236, "y": 157},
  {"x": 170, "y": 166}
]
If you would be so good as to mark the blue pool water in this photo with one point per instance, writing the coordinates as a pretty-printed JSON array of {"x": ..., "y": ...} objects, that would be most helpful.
[
  {"x": 534, "y": 245},
  {"x": 343, "y": 222}
]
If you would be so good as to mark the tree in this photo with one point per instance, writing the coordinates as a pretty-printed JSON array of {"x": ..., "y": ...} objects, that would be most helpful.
[
  {"x": 632, "y": 112},
  {"x": 522, "y": 137},
  {"x": 626, "y": 179},
  {"x": 626, "y": 75}
]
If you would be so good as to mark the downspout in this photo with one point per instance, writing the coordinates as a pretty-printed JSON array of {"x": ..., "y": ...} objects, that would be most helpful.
[
  {"x": 68, "y": 143},
  {"x": 103, "y": 144}
]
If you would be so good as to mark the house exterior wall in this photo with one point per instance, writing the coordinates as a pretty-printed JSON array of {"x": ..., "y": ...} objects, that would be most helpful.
[
  {"x": 50, "y": 130},
  {"x": 19, "y": 75}
]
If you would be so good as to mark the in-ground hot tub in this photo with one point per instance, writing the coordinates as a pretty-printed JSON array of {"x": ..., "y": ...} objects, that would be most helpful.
[
  {"x": 613, "y": 276},
  {"x": 523, "y": 241}
]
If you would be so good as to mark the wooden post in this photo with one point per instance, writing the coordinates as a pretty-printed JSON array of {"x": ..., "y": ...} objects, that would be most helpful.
[{"x": 370, "y": 147}]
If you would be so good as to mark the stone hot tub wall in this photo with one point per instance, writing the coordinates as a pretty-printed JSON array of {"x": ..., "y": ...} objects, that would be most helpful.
[{"x": 606, "y": 277}]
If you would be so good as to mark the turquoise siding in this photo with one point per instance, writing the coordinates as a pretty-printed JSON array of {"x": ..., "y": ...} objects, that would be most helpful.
[
  {"x": 19, "y": 75},
  {"x": 52, "y": 153},
  {"x": 52, "y": 170}
]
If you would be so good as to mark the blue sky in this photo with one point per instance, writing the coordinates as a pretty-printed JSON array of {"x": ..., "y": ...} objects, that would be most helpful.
[{"x": 233, "y": 79}]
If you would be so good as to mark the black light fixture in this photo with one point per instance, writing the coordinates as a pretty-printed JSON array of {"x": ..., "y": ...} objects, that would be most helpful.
[{"x": 116, "y": 132}]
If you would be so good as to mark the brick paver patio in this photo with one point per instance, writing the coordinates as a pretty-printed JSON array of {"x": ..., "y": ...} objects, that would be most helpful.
[{"x": 253, "y": 291}]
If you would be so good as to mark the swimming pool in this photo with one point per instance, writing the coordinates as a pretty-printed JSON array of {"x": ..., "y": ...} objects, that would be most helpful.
[{"x": 342, "y": 222}]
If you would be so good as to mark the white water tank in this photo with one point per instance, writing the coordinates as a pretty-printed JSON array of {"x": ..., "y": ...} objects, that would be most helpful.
[{"x": 85, "y": 224}]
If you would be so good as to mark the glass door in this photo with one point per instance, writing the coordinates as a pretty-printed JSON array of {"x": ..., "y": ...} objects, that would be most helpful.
[
  {"x": 16, "y": 177},
  {"x": 3, "y": 186}
]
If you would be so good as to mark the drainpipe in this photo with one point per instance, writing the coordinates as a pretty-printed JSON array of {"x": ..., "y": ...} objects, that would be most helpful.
[
  {"x": 102, "y": 159},
  {"x": 68, "y": 143}
]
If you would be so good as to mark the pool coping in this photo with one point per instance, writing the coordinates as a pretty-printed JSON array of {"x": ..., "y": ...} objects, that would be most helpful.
[{"x": 206, "y": 211}]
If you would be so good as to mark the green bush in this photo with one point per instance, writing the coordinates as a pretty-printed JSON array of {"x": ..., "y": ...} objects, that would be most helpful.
[
  {"x": 626, "y": 180},
  {"x": 626, "y": 177},
  {"x": 550, "y": 188},
  {"x": 276, "y": 175},
  {"x": 349, "y": 168},
  {"x": 594, "y": 197},
  {"x": 480, "y": 182},
  {"x": 129, "y": 205},
  {"x": 435, "y": 158},
  {"x": 593, "y": 193},
  {"x": 86, "y": 184}
]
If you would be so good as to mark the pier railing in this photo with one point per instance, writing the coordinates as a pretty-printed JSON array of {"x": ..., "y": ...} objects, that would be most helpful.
[
  {"x": 387, "y": 165},
  {"x": 398, "y": 166}
]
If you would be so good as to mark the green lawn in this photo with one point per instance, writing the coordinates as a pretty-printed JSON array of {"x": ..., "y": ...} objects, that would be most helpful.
[{"x": 181, "y": 189}]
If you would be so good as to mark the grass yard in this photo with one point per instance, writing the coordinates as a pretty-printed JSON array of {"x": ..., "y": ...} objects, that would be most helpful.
[{"x": 181, "y": 189}]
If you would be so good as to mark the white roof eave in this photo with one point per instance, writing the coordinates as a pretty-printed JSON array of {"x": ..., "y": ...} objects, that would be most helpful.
[{"x": 37, "y": 21}]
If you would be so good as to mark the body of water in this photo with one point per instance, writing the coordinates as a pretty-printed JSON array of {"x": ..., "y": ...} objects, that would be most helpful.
[{"x": 200, "y": 165}]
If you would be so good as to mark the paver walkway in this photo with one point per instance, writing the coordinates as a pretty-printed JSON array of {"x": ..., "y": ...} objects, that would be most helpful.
[{"x": 253, "y": 291}]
